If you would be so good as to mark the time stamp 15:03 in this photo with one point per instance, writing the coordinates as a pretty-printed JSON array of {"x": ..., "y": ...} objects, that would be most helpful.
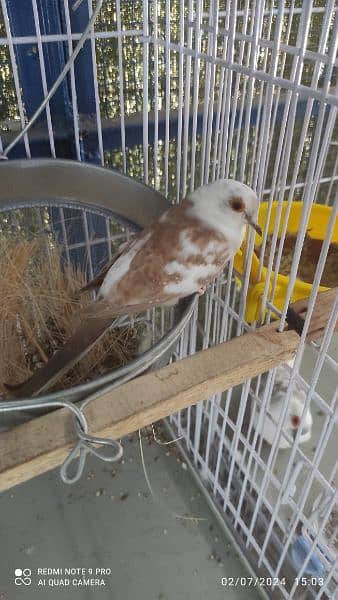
[{"x": 269, "y": 581}]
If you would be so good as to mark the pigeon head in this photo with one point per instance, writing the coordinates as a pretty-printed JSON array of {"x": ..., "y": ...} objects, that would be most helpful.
[
  {"x": 295, "y": 417},
  {"x": 242, "y": 201},
  {"x": 230, "y": 200}
]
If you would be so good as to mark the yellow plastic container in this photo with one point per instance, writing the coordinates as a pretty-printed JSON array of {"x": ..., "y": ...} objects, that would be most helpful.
[{"x": 317, "y": 227}]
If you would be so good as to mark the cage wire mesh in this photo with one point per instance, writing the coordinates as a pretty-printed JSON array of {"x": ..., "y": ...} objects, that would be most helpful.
[{"x": 246, "y": 90}]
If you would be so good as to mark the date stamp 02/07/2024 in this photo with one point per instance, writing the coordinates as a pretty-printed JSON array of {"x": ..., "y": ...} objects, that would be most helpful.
[{"x": 248, "y": 581}]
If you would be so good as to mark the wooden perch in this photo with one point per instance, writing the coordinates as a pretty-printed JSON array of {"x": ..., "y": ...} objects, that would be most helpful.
[
  {"x": 320, "y": 313},
  {"x": 43, "y": 443}
]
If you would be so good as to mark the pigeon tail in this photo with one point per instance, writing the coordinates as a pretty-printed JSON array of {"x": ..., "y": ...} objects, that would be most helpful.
[
  {"x": 95, "y": 321},
  {"x": 90, "y": 330}
]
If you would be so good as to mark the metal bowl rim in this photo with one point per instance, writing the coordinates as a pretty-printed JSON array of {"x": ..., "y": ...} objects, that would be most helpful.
[{"x": 149, "y": 357}]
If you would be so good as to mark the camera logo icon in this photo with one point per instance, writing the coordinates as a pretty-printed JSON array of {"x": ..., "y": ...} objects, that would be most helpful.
[{"x": 23, "y": 576}]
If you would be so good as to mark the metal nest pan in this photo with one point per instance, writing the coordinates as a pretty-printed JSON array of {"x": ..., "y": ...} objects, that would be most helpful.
[{"x": 36, "y": 191}]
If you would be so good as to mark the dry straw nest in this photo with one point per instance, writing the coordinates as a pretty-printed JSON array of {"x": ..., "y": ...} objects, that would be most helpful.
[
  {"x": 41, "y": 307},
  {"x": 308, "y": 260}
]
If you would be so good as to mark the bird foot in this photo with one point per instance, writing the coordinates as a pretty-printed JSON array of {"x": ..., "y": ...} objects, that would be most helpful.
[{"x": 202, "y": 290}]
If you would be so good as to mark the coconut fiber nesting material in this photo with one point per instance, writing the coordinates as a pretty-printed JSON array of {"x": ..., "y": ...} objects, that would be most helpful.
[{"x": 40, "y": 304}]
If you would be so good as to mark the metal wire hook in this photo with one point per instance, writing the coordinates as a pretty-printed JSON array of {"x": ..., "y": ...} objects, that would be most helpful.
[
  {"x": 83, "y": 445},
  {"x": 86, "y": 445},
  {"x": 90, "y": 440},
  {"x": 81, "y": 450}
]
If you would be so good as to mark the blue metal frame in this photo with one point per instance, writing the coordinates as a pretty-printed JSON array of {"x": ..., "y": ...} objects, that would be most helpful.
[
  {"x": 52, "y": 21},
  {"x": 27, "y": 58}
]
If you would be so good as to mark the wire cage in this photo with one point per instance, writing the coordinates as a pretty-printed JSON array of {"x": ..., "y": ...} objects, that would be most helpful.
[{"x": 244, "y": 89}]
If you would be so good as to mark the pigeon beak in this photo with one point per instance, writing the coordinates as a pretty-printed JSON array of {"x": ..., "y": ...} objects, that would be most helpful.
[{"x": 252, "y": 223}]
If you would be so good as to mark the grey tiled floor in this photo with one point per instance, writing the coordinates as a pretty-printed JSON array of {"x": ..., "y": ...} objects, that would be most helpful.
[{"x": 109, "y": 521}]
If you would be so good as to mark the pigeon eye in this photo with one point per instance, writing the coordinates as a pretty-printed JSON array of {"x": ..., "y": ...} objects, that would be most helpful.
[
  {"x": 295, "y": 421},
  {"x": 237, "y": 204}
]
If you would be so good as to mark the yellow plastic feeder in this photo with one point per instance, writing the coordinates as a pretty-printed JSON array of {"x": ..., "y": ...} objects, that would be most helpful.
[{"x": 317, "y": 227}]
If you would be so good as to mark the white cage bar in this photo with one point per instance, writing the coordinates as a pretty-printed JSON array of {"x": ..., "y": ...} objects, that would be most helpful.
[{"x": 243, "y": 89}]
